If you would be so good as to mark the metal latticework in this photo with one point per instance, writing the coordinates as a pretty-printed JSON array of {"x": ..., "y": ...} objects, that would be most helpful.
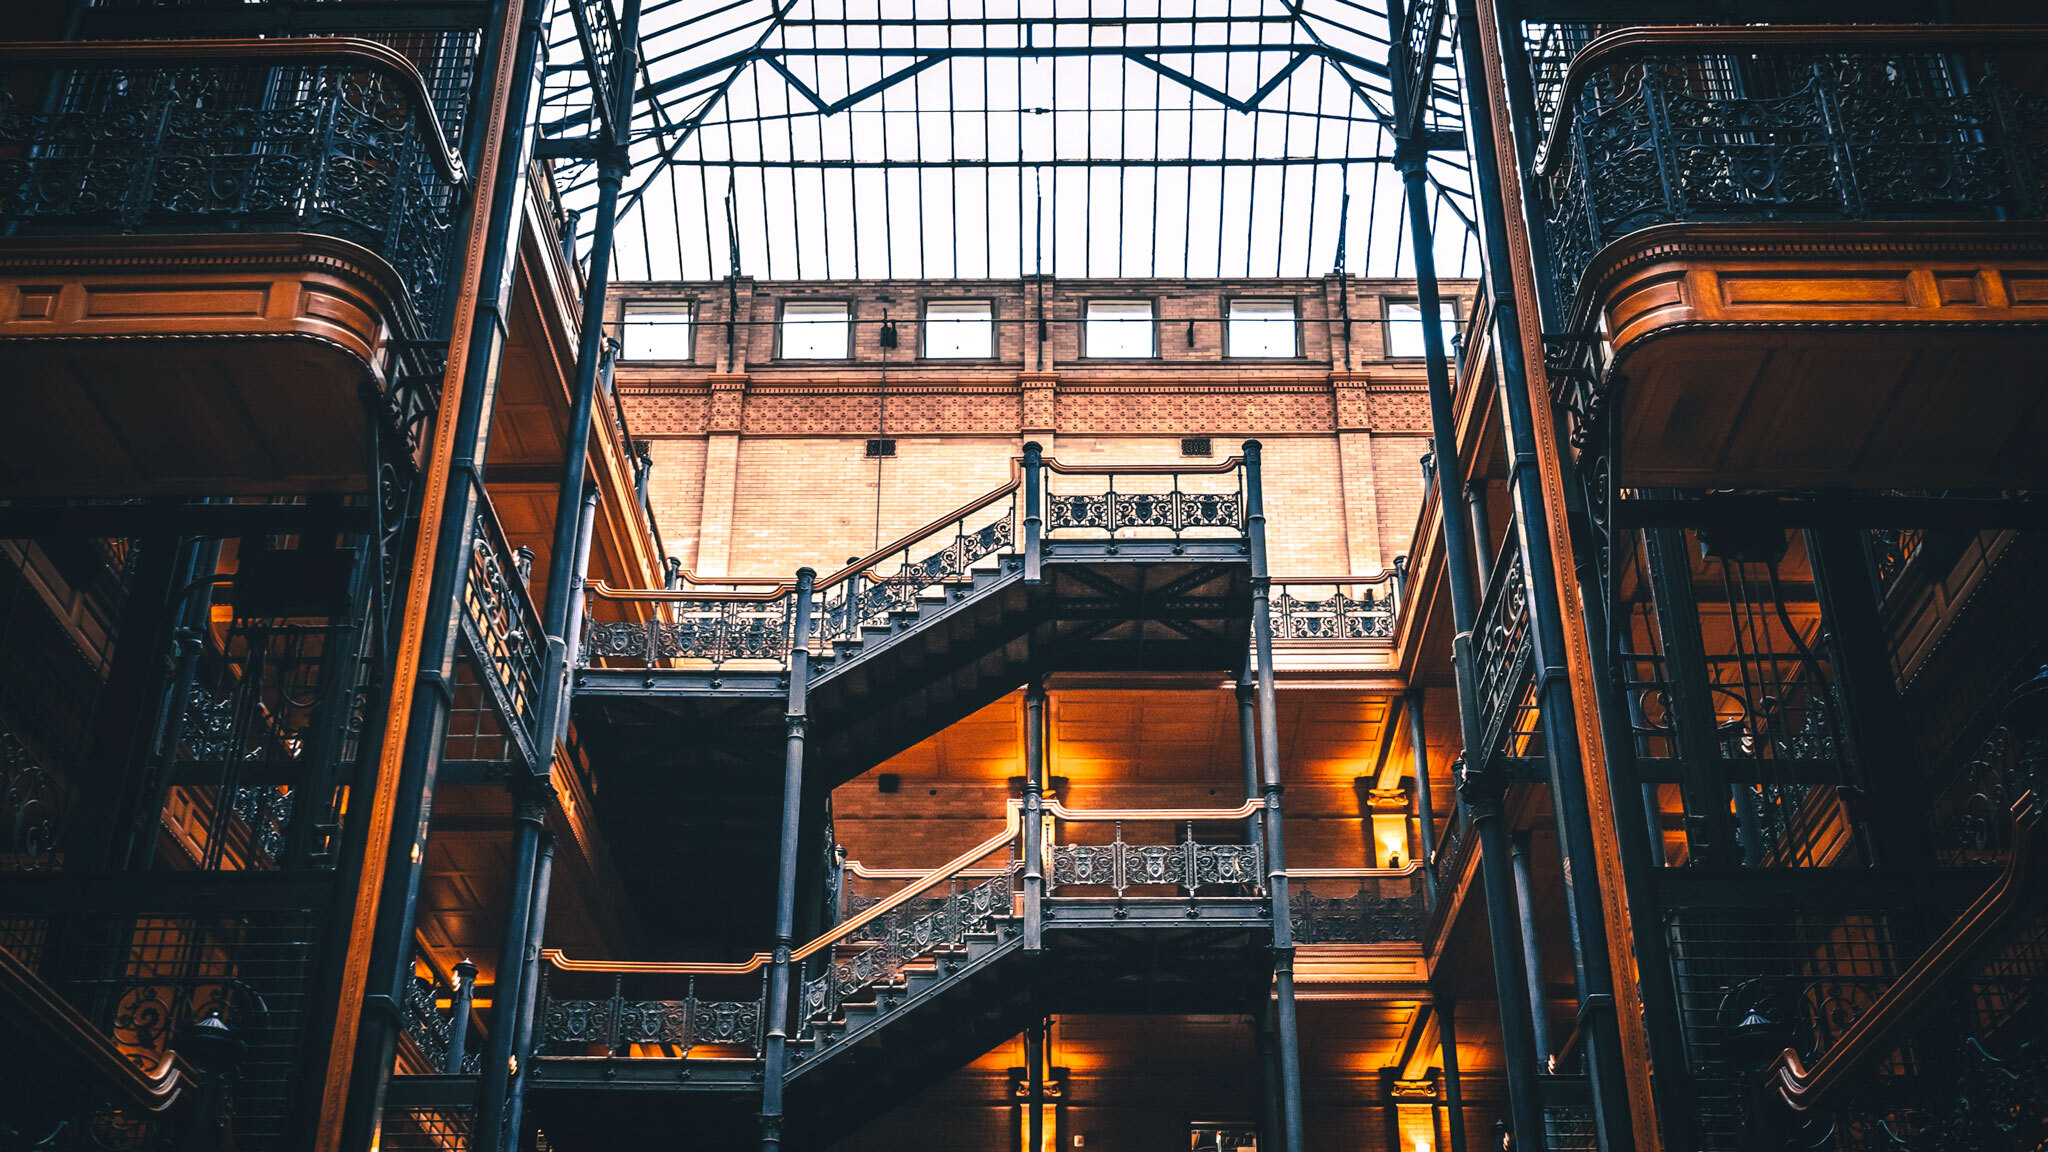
[{"x": 806, "y": 139}]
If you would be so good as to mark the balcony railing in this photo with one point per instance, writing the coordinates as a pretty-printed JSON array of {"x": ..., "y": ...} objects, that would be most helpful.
[
  {"x": 503, "y": 630},
  {"x": 330, "y": 136},
  {"x": 747, "y": 619},
  {"x": 1672, "y": 125},
  {"x": 1335, "y": 607}
]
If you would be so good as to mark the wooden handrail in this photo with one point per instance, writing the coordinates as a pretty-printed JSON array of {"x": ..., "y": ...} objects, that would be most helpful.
[
  {"x": 760, "y": 960},
  {"x": 1013, "y": 821},
  {"x": 1690, "y": 39},
  {"x": 773, "y": 587},
  {"x": 1225, "y": 465},
  {"x": 1140, "y": 815},
  {"x": 1876, "y": 1032},
  {"x": 34, "y": 1008},
  {"x": 1383, "y": 576},
  {"x": 278, "y": 50},
  {"x": 765, "y": 588},
  {"x": 1408, "y": 869}
]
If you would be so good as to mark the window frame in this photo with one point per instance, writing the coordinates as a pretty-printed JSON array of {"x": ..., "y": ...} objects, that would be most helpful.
[
  {"x": 1444, "y": 304},
  {"x": 654, "y": 303},
  {"x": 995, "y": 340},
  {"x": 1300, "y": 332},
  {"x": 782, "y": 328},
  {"x": 1150, "y": 302}
]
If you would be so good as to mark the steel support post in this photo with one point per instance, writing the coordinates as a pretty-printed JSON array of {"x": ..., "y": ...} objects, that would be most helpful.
[
  {"x": 1454, "y": 1091},
  {"x": 1425, "y": 804},
  {"x": 529, "y": 991},
  {"x": 613, "y": 163},
  {"x": 1532, "y": 951},
  {"x": 775, "y": 1049},
  {"x": 1267, "y": 1051},
  {"x": 1033, "y": 817},
  {"x": 461, "y": 1004},
  {"x": 1480, "y": 795},
  {"x": 1482, "y": 533},
  {"x": 1269, "y": 758},
  {"x": 427, "y": 724},
  {"x": 1248, "y": 751},
  {"x": 1034, "y": 521},
  {"x": 500, "y": 1068},
  {"x": 1034, "y": 1086},
  {"x": 1591, "y": 965}
]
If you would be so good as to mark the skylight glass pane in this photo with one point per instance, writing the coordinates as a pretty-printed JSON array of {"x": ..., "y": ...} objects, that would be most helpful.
[
  {"x": 962, "y": 329},
  {"x": 1404, "y": 329},
  {"x": 1262, "y": 328},
  {"x": 813, "y": 330},
  {"x": 656, "y": 332},
  {"x": 1119, "y": 328}
]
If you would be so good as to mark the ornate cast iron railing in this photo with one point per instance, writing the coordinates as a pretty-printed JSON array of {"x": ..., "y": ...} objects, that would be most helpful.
[
  {"x": 723, "y": 620},
  {"x": 338, "y": 137},
  {"x": 504, "y": 632},
  {"x": 1356, "y": 906},
  {"x": 1169, "y": 501},
  {"x": 33, "y": 804},
  {"x": 1503, "y": 651},
  {"x": 1661, "y": 126},
  {"x": 652, "y": 1016},
  {"x": 1891, "y": 549},
  {"x": 1189, "y": 865},
  {"x": 1335, "y": 607},
  {"x": 622, "y": 1008}
]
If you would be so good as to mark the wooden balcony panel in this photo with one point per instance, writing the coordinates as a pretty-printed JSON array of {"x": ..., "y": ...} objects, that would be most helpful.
[
  {"x": 222, "y": 364},
  {"x": 1893, "y": 355}
]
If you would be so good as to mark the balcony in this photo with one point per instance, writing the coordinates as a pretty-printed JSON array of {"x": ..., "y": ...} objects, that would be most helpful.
[
  {"x": 1805, "y": 256},
  {"x": 222, "y": 264}
]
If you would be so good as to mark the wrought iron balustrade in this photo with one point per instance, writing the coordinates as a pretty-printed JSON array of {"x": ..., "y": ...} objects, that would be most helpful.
[
  {"x": 875, "y": 955},
  {"x": 1971, "y": 818},
  {"x": 1503, "y": 655},
  {"x": 1168, "y": 501},
  {"x": 1335, "y": 608},
  {"x": 1356, "y": 906},
  {"x": 605, "y": 1009},
  {"x": 1891, "y": 549},
  {"x": 33, "y": 806},
  {"x": 1745, "y": 124},
  {"x": 333, "y": 137},
  {"x": 1189, "y": 865},
  {"x": 653, "y": 1016},
  {"x": 721, "y": 620},
  {"x": 504, "y": 632}
]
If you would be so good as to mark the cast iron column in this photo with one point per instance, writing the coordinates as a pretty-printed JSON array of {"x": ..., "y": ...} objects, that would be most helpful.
[
  {"x": 1248, "y": 750},
  {"x": 1454, "y": 1092},
  {"x": 1532, "y": 953},
  {"x": 775, "y": 1050},
  {"x": 529, "y": 990},
  {"x": 612, "y": 165},
  {"x": 460, "y": 1006},
  {"x": 1584, "y": 916},
  {"x": 500, "y": 1067},
  {"x": 1276, "y": 851},
  {"x": 1033, "y": 818},
  {"x": 1034, "y": 523},
  {"x": 427, "y": 725},
  {"x": 1425, "y": 804},
  {"x": 1479, "y": 794}
]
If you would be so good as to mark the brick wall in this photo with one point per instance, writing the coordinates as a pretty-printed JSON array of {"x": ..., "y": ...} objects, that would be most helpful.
[{"x": 761, "y": 465}]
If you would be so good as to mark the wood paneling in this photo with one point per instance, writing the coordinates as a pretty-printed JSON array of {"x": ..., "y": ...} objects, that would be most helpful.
[
  {"x": 221, "y": 365},
  {"x": 1834, "y": 356}
]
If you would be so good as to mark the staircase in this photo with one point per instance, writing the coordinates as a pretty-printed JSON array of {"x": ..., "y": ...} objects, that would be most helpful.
[
  {"x": 913, "y": 987},
  {"x": 682, "y": 704},
  {"x": 681, "y": 708}
]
